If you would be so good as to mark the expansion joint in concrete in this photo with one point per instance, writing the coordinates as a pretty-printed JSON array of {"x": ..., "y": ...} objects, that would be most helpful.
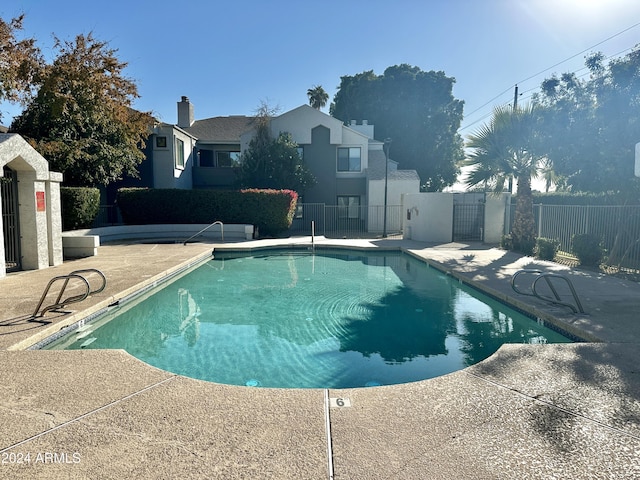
[
  {"x": 327, "y": 420},
  {"x": 88, "y": 414},
  {"x": 553, "y": 406}
]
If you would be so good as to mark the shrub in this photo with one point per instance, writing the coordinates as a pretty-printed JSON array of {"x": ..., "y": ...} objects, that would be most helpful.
[
  {"x": 524, "y": 245},
  {"x": 80, "y": 206},
  {"x": 271, "y": 211},
  {"x": 506, "y": 242},
  {"x": 546, "y": 248},
  {"x": 588, "y": 249}
]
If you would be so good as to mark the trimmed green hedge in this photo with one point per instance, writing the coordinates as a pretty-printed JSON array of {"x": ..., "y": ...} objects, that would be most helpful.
[
  {"x": 80, "y": 207},
  {"x": 271, "y": 211}
]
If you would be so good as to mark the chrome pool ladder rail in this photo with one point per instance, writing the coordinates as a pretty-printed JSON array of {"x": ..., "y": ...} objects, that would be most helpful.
[
  {"x": 59, "y": 302},
  {"x": 547, "y": 277},
  {"x": 205, "y": 229}
]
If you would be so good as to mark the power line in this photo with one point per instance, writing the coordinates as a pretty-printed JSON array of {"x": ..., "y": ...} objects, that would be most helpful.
[
  {"x": 528, "y": 97},
  {"x": 580, "y": 53},
  {"x": 582, "y": 75},
  {"x": 494, "y": 98},
  {"x": 545, "y": 70},
  {"x": 488, "y": 114}
]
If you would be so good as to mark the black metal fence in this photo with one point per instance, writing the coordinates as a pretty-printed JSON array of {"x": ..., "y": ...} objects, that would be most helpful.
[
  {"x": 617, "y": 226},
  {"x": 337, "y": 221},
  {"x": 10, "y": 222},
  {"x": 108, "y": 215},
  {"x": 468, "y": 222}
]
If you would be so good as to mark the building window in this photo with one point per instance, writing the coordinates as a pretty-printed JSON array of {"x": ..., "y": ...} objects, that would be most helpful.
[
  {"x": 348, "y": 206},
  {"x": 227, "y": 159},
  {"x": 179, "y": 153},
  {"x": 300, "y": 152},
  {"x": 206, "y": 158},
  {"x": 161, "y": 142},
  {"x": 349, "y": 159},
  {"x": 220, "y": 158}
]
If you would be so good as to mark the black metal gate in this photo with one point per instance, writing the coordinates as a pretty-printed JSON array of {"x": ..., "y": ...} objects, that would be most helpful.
[
  {"x": 468, "y": 222},
  {"x": 10, "y": 223}
]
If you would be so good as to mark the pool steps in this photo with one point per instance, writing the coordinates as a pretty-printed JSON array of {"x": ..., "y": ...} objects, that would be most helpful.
[{"x": 88, "y": 342}]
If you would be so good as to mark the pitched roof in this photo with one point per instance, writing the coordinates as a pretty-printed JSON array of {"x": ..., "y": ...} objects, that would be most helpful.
[
  {"x": 376, "y": 169},
  {"x": 220, "y": 129}
]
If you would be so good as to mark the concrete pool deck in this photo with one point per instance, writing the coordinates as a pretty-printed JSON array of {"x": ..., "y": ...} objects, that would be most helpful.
[{"x": 568, "y": 411}]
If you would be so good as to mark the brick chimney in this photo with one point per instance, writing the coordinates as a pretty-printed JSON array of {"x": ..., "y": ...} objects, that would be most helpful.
[{"x": 185, "y": 113}]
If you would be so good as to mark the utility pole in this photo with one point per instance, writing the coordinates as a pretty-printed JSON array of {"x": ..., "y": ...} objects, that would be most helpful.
[{"x": 515, "y": 107}]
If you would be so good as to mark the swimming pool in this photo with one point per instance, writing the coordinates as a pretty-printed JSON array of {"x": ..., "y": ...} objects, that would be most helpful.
[{"x": 323, "y": 319}]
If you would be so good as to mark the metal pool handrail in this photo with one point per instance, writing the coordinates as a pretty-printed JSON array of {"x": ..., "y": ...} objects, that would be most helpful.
[
  {"x": 547, "y": 277},
  {"x": 59, "y": 303},
  {"x": 96, "y": 271},
  {"x": 205, "y": 229}
]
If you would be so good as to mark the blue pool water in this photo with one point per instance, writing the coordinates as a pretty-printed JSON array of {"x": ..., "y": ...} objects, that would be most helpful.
[{"x": 301, "y": 320}]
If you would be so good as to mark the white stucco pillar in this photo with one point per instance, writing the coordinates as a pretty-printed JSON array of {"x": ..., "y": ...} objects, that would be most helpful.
[
  {"x": 54, "y": 218},
  {"x": 34, "y": 243},
  {"x": 494, "y": 216},
  {"x": 3, "y": 266}
]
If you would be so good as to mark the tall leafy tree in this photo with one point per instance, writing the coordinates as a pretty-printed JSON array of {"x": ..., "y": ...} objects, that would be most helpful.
[
  {"x": 593, "y": 124},
  {"x": 273, "y": 162},
  {"x": 508, "y": 146},
  {"x": 317, "y": 97},
  {"x": 417, "y": 110},
  {"x": 21, "y": 63},
  {"x": 81, "y": 118}
]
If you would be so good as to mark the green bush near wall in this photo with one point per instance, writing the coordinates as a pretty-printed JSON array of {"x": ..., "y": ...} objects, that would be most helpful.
[
  {"x": 588, "y": 249},
  {"x": 80, "y": 207},
  {"x": 546, "y": 248},
  {"x": 271, "y": 211}
]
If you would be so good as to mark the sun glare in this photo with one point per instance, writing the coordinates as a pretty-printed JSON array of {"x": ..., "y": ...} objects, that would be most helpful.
[
  {"x": 577, "y": 15},
  {"x": 588, "y": 8}
]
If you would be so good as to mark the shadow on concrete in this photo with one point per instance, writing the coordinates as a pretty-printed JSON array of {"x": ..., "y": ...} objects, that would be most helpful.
[
  {"x": 569, "y": 384},
  {"x": 23, "y": 323}
]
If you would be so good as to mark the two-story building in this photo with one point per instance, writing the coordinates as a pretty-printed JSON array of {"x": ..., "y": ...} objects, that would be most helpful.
[
  {"x": 204, "y": 153},
  {"x": 346, "y": 160}
]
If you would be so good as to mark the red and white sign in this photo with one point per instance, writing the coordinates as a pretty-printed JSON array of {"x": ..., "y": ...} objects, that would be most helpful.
[{"x": 40, "y": 202}]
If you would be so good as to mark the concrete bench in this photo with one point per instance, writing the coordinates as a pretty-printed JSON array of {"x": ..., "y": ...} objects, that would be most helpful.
[
  {"x": 79, "y": 246},
  {"x": 85, "y": 243}
]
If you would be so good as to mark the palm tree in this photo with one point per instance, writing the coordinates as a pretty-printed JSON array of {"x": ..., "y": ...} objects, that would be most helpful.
[
  {"x": 505, "y": 148},
  {"x": 550, "y": 177},
  {"x": 317, "y": 97}
]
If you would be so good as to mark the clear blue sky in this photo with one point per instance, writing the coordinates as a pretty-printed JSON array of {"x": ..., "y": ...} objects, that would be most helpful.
[{"x": 228, "y": 56}]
